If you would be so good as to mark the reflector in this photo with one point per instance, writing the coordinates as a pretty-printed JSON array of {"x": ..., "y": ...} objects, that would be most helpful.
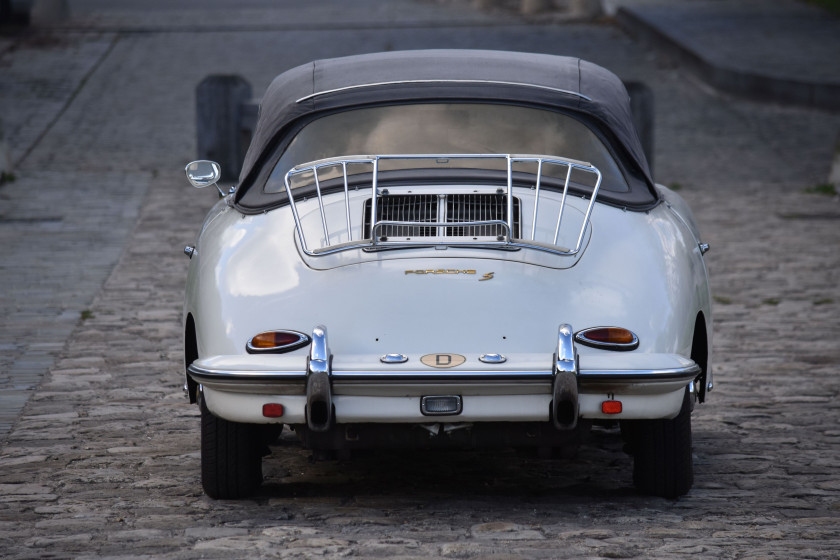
[
  {"x": 611, "y": 407},
  {"x": 273, "y": 410}
]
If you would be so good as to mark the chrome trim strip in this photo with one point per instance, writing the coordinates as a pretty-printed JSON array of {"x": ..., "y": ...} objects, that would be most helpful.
[
  {"x": 407, "y": 82},
  {"x": 687, "y": 374},
  {"x": 476, "y": 223},
  {"x": 440, "y": 375},
  {"x": 200, "y": 374}
]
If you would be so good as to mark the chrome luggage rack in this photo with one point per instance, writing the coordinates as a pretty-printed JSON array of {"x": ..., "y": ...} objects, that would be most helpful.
[{"x": 314, "y": 173}]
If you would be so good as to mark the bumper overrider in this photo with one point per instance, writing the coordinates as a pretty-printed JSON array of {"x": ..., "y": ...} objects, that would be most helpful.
[{"x": 361, "y": 389}]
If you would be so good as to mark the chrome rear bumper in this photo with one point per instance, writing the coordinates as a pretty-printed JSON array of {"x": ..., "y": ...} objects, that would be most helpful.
[{"x": 334, "y": 389}]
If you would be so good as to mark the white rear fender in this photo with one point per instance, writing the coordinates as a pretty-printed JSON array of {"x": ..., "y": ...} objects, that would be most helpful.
[{"x": 642, "y": 277}]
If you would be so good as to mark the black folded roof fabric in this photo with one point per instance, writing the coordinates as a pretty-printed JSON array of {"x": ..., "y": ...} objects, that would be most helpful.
[{"x": 560, "y": 82}]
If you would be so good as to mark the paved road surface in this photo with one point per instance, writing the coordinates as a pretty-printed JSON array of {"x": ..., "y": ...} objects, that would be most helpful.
[{"x": 103, "y": 459}]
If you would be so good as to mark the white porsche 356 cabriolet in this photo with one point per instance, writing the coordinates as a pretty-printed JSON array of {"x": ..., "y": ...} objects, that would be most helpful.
[{"x": 445, "y": 248}]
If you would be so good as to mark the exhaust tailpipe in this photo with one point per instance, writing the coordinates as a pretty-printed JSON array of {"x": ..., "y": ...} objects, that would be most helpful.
[
  {"x": 318, "y": 402},
  {"x": 564, "y": 404}
]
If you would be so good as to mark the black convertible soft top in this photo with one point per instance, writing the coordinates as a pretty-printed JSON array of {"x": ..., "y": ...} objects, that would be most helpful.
[{"x": 559, "y": 82}]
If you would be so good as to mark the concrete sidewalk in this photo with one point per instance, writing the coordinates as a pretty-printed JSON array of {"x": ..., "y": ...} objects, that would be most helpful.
[{"x": 780, "y": 51}]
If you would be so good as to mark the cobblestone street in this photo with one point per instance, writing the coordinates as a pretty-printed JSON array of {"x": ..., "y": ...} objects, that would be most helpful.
[{"x": 103, "y": 459}]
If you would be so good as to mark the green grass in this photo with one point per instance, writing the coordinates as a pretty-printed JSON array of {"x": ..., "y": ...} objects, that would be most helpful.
[
  {"x": 87, "y": 314},
  {"x": 823, "y": 301},
  {"x": 832, "y": 6},
  {"x": 722, "y": 300},
  {"x": 771, "y": 301},
  {"x": 675, "y": 186},
  {"x": 826, "y": 189}
]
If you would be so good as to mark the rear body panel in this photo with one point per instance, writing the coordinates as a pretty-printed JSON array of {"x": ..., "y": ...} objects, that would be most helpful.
[{"x": 640, "y": 271}]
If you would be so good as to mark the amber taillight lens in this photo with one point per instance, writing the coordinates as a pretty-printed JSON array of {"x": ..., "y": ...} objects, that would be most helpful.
[
  {"x": 277, "y": 342},
  {"x": 608, "y": 338}
]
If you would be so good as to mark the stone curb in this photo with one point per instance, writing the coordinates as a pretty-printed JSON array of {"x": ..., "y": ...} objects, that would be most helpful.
[{"x": 759, "y": 87}]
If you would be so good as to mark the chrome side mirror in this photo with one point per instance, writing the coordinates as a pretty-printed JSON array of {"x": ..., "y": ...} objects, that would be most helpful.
[{"x": 203, "y": 173}]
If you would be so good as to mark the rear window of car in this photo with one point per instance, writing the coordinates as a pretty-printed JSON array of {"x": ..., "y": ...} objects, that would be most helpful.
[{"x": 448, "y": 128}]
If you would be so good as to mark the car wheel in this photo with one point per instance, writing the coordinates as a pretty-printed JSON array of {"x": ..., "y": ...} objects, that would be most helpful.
[
  {"x": 662, "y": 462},
  {"x": 231, "y": 456}
]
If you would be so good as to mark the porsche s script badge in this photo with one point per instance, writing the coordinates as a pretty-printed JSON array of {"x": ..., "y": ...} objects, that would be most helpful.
[
  {"x": 485, "y": 276},
  {"x": 443, "y": 360}
]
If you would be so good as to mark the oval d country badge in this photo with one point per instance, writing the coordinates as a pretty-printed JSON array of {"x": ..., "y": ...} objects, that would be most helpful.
[{"x": 443, "y": 360}]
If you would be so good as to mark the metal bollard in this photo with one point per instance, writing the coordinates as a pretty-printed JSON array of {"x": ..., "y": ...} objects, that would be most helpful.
[{"x": 219, "y": 118}]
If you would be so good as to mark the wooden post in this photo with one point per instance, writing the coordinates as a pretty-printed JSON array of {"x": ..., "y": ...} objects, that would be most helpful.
[
  {"x": 587, "y": 9},
  {"x": 5, "y": 160},
  {"x": 641, "y": 105},
  {"x": 48, "y": 11},
  {"x": 486, "y": 4},
  {"x": 219, "y": 101},
  {"x": 531, "y": 7}
]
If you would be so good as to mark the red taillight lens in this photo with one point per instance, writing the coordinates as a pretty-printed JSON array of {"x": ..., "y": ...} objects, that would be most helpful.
[
  {"x": 608, "y": 338},
  {"x": 273, "y": 410},
  {"x": 277, "y": 342},
  {"x": 611, "y": 407}
]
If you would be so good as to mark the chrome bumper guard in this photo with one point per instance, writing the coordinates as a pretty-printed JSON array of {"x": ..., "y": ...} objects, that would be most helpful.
[
  {"x": 319, "y": 406},
  {"x": 564, "y": 403}
]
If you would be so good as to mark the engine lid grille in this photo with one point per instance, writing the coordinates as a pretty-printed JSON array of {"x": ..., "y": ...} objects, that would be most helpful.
[{"x": 445, "y": 208}]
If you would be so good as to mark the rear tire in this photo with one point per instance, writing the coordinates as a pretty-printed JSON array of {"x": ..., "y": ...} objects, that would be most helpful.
[
  {"x": 662, "y": 464},
  {"x": 231, "y": 456}
]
